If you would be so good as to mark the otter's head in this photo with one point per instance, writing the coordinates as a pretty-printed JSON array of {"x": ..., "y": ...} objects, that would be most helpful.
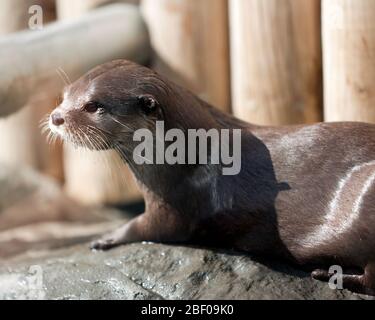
[{"x": 106, "y": 106}]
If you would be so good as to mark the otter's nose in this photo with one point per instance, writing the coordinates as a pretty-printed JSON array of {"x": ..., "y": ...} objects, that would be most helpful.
[{"x": 57, "y": 119}]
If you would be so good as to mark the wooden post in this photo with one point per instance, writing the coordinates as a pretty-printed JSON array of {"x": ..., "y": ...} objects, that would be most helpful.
[
  {"x": 20, "y": 141},
  {"x": 276, "y": 60},
  {"x": 349, "y": 60},
  {"x": 73, "y": 9},
  {"x": 190, "y": 39},
  {"x": 94, "y": 177}
]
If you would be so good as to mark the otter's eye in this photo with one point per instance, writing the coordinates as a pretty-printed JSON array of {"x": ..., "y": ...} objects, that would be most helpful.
[{"x": 92, "y": 107}]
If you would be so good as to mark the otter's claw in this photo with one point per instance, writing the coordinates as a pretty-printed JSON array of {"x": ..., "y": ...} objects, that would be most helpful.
[{"x": 103, "y": 244}]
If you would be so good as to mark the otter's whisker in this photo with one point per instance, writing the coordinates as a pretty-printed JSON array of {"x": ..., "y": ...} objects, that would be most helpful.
[
  {"x": 122, "y": 124},
  {"x": 100, "y": 137},
  {"x": 64, "y": 76}
]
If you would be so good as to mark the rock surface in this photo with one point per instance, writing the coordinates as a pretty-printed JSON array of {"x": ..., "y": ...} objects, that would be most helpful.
[{"x": 155, "y": 271}]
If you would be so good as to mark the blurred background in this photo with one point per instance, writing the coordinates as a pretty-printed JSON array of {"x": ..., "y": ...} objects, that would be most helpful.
[{"x": 271, "y": 62}]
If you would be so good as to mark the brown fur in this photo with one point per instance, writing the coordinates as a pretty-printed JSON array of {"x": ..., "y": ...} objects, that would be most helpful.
[{"x": 282, "y": 196}]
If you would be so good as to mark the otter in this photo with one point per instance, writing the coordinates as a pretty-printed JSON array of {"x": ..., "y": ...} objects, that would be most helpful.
[{"x": 305, "y": 193}]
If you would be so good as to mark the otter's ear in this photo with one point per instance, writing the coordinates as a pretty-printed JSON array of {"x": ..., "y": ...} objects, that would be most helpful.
[{"x": 147, "y": 102}]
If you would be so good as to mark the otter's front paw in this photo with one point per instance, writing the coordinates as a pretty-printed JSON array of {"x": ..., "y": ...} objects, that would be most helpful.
[
  {"x": 104, "y": 244},
  {"x": 113, "y": 239}
]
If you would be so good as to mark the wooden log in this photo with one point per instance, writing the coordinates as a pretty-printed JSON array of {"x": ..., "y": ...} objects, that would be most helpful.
[
  {"x": 94, "y": 177},
  {"x": 276, "y": 60},
  {"x": 68, "y": 10},
  {"x": 20, "y": 140},
  {"x": 190, "y": 39},
  {"x": 348, "y": 55}
]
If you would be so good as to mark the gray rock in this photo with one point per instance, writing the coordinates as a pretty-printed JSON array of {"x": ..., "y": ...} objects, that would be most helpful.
[{"x": 155, "y": 271}]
